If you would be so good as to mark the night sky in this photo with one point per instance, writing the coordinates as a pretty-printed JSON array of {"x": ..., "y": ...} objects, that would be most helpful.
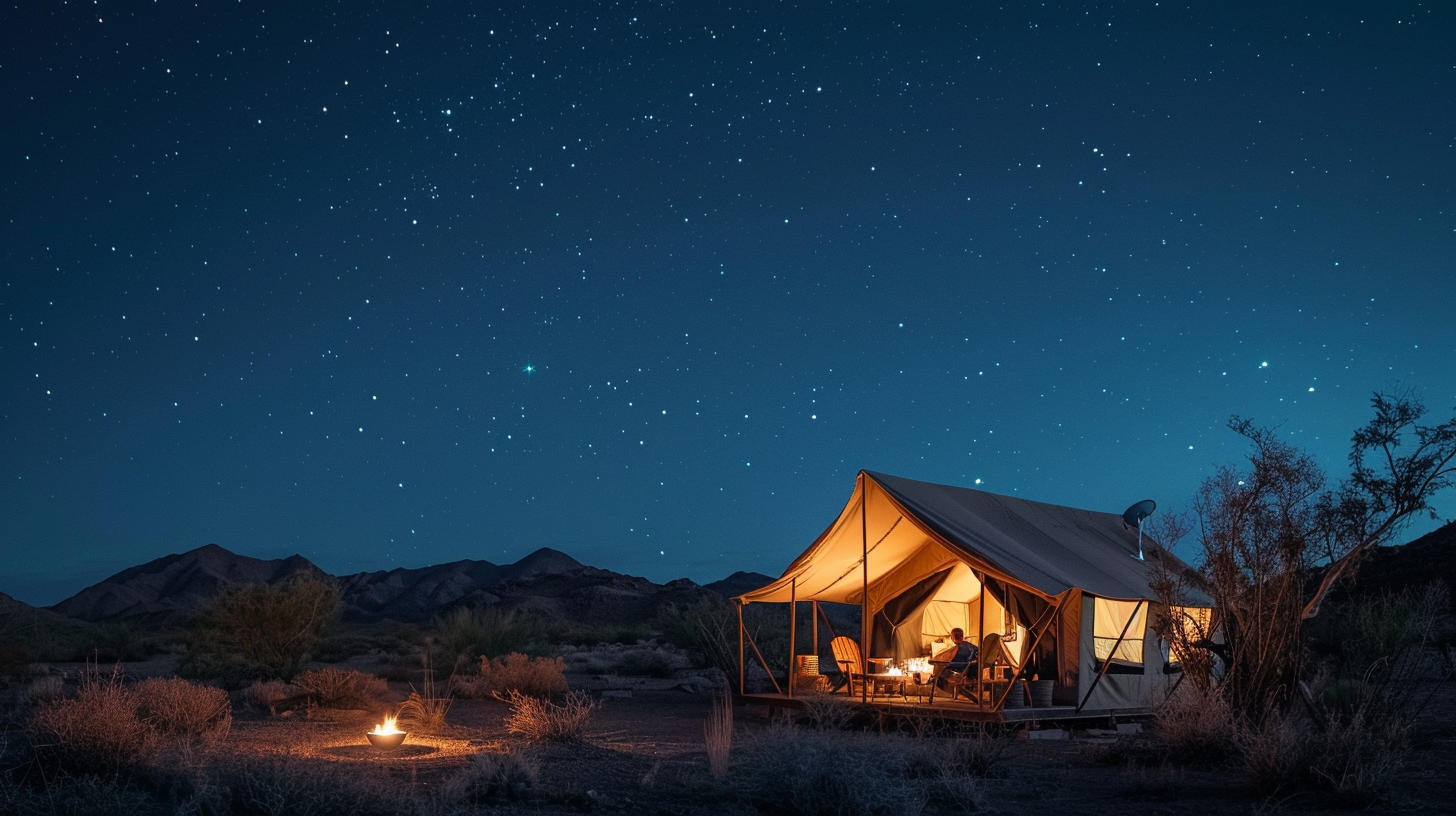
[{"x": 388, "y": 284}]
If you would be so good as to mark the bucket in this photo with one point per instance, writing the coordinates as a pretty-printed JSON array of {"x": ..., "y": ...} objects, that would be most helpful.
[
  {"x": 1041, "y": 693},
  {"x": 1017, "y": 697}
]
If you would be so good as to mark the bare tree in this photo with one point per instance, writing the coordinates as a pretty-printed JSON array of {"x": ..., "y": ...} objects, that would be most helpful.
[{"x": 1264, "y": 527}]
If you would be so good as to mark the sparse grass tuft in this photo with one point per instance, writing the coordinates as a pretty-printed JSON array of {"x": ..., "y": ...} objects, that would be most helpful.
[
  {"x": 540, "y": 719},
  {"x": 335, "y": 688},
  {"x": 718, "y": 734}
]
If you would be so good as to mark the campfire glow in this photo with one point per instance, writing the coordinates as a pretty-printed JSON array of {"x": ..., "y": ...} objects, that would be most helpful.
[
  {"x": 386, "y": 735},
  {"x": 387, "y": 727}
]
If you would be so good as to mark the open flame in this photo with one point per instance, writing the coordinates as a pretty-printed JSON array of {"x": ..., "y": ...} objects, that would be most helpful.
[{"x": 387, "y": 727}]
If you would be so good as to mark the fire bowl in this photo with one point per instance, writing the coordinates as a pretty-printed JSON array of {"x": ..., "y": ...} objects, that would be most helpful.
[{"x": 387, "y": 742}]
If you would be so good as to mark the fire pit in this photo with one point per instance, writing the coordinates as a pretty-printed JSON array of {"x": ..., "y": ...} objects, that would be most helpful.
[{"x": 386, "y": 736}]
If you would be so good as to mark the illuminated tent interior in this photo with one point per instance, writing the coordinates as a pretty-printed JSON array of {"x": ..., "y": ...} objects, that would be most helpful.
[{"x": 1063, "y": 588}]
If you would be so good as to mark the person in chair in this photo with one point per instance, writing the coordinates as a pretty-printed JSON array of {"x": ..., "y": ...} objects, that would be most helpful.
[{"x": 959, "y": 657}]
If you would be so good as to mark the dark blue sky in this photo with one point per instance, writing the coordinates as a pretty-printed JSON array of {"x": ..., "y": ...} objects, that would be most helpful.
[{"x": 392, "y": 285}]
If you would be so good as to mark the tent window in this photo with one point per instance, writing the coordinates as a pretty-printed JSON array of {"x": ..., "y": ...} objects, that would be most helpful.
[
  {"x": 1110, "y": 618},
  {"x": 1190, "y": 624}
]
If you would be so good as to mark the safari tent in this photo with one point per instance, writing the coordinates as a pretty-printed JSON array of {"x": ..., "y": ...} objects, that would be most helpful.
[{"x": 1064, "y": 590}]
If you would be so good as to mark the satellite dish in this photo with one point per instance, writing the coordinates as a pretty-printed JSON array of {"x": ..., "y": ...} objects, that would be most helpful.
[{"x": 1134, "y": 516}]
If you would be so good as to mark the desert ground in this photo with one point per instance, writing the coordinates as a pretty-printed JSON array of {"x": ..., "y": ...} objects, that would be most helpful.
[{"x": 644, "y": 751}]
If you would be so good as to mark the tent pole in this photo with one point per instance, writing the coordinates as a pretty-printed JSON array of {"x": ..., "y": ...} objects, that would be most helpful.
[
  {"x": 793, "y": 631},
  {"x": 864, "y": 598},
  {"x": 1108, "y": 662},
  {"x": 742, "y": 655},
  {"x": 980, "y": 637},
  {"x": 814, "y": 628}
]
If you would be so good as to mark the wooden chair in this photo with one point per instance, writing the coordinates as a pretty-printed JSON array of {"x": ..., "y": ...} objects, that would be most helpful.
[
  {"x": 850, "y": 660},
  {"x": 990, "y": 659}
]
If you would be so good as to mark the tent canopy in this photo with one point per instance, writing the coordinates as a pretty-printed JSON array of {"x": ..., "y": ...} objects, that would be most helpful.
[{"x": 911, "y": 529}]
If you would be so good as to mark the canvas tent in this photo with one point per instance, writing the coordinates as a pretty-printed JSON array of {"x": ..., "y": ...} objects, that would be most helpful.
[{"x": 1063, "y": 587}]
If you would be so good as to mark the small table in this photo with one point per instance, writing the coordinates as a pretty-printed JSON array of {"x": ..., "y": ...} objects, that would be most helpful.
[{"x": 885, "y": 680}]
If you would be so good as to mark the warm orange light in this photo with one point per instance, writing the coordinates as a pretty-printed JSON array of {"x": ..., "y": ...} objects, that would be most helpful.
[{"x": 387, "y": 727}]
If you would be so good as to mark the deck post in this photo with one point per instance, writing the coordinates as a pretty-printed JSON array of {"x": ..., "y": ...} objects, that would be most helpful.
[
  {"x": 864, "y": 598},
  {"x": 742, "y": 655},
  {"x": 793, "y": 630}
]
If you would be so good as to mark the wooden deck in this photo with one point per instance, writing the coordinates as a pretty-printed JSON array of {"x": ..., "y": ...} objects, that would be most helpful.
[{"x": 961, "y": 710}]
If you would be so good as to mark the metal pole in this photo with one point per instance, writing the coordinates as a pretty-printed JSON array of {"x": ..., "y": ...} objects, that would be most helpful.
[{"x": 981, "y": 638}]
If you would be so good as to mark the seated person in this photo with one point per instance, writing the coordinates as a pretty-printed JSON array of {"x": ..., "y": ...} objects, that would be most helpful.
[{"x": 959, "y": 657}]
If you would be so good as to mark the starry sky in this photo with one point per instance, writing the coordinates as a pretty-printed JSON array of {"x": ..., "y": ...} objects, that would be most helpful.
[{"x": 395, "y": 284}]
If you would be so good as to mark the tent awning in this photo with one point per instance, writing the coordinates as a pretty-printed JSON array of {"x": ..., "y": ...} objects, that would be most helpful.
[{"x": 910, "y": 529}]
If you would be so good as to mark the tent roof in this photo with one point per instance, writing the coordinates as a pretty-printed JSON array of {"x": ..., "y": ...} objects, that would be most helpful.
[{"x": 913, "y": 528}]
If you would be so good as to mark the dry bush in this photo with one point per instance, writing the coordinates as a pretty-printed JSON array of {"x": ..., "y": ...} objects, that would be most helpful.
[
  {"x": 817, "y": 773},
  {"x": 336, "y": 688},
  {"x": 45, "y": 688},
  {"x": 1275, "y": 752},
  {"x": 495, "y": 777},
  {"x": 100, "y": 725},
  {"x": 645, "y": 658},
  {"x": 718, "y": 734},
  {"x": 536, "y": 718},
  {"x": 829, "y": 713},
  {"x": 1360, "y": 756},
  {"x": 1195, "y": 725},
  {"x": 176, "y": 709},
  {"x": 531, "y": 676},
  {"x": 264, "y": 695}
]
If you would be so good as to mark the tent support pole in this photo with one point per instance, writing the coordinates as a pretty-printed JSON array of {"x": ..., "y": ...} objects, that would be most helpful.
[
  {"x": 827, "y": 623},
  {"x": 864, "y": 598},
  {"x": 1030, "y": 650},
  {"x": 764, "y": 663},
  {"x": 814, "y": 628},
  {"x": 742, "y": 656},
  {"x": 980, "y": 636},
  {"x": 1108, "y": 662},
  {"x": 793, "y": 632}
]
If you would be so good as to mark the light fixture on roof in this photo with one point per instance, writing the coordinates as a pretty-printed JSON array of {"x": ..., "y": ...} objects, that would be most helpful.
[{"x": 1133, "y": 517}]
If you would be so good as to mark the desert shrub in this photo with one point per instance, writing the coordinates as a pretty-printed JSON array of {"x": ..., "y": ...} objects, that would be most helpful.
[
  {"x": 1195, "y": 725},
  {"x": 176, "y": 709},
  {"x": 45, "y": 688},
  {"x": 466, "y": 634},
  {"x": 718, "y": 735},
  {"x": 264, "y": 695},
  {"x": 1359, "y": 756},
  {"x": 829, "y": 713},
  {"x": 495, "y": 777},
  {"x": 536, "y": 718},
  {"x": 645, "y": 658},
  {"x": 274, "y": 626},
  {"x": 515, "y": 672},
  {"x": 100, "y": 726},
  {"x": 338, "y": 688},
  {"x": 1275, "y": 752},
  {"x": 817, "y": 773}
]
